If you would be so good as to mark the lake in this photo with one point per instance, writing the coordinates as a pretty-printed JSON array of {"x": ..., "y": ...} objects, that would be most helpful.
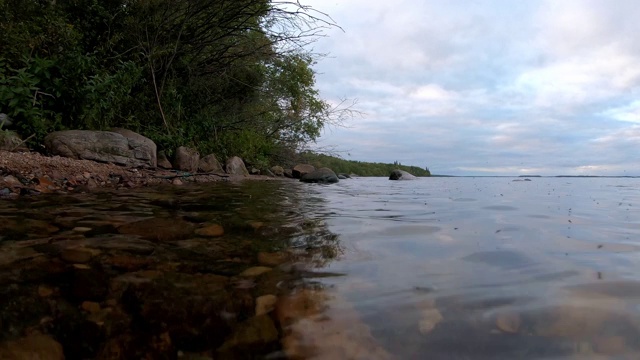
[{"x": 437, "y": 268}]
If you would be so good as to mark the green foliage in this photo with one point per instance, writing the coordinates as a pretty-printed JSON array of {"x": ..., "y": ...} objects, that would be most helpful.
[
  {"x": 219, "y": 75},
  {"x": 360, "y": 168}
]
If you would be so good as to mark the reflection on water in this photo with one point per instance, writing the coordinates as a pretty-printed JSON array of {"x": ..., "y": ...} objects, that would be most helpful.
[
  {"x": 539, "y": 269},
  {"x": 438, "y": 268}
]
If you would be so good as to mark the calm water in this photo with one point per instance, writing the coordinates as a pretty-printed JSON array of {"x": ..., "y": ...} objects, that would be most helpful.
[
  {"x": 547, "y": 268},
  {"x": 437, "y": 268}
]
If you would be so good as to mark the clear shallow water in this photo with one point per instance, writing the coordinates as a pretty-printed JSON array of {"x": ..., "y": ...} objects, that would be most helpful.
[
  {"x": 476, "y": 268},
  {"x": 437, "y": 268}
]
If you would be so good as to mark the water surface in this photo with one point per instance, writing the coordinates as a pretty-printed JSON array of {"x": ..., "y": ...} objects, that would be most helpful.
[{"x": 437, "y": 268}]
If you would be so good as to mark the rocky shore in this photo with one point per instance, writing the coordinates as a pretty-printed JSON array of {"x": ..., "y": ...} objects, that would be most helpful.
[{"x": 31, "y": 173}]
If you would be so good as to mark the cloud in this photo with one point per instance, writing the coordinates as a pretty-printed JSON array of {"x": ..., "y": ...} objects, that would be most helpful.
[
  {"x": 492, "y": 87},
  {"x": 629, "y": 112}
]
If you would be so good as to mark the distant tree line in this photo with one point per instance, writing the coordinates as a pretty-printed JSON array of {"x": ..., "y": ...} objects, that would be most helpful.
[
  {"x": 231, "y": 77},
  {"x": 360, "y": 168}
]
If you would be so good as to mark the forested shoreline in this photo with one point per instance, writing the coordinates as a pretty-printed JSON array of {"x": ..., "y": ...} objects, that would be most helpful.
[
  {"x": 231, "y": 77},
  {"x": 225, "y": 77}
]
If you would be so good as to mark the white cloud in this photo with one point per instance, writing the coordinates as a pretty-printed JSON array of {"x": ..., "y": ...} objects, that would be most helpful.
[
  {"x": 629, "y": 113},
  {"x": 492, "y": 87}
]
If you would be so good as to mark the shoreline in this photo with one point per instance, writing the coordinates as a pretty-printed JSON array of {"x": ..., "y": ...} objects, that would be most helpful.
[{"x": 31, "y": 173}]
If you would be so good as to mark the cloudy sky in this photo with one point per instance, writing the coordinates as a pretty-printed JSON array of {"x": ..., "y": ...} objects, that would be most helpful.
[{"x": 487, "y": 87}]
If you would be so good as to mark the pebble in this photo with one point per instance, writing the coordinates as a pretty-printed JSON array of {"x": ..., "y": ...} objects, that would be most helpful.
[
  {"x": 176, "y": 182},
  {"x": 611, "y": 345},
  {"x": 45, "y": 291},
  {"x": 81, "y": 229},
  {"x": 272, "y": 259},
  {"x": 214, "y": 230},
  {"x": 265, "y": 304},
  {"x": 90, "y": 307},
  {"x": 508, "y": 322},
  {"x": 429, "y": 316},
  {"x": 255, "y": 271},
  {"x": 76, "y": 256},
  {"x": 35, "y": 346}
]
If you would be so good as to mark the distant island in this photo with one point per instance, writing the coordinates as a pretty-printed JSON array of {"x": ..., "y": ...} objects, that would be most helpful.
[{"x": 360, "y": 168}]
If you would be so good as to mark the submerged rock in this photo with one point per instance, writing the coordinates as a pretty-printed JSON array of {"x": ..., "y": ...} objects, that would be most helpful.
[
  {"x": 213, "y": 230},
  {"x": 401, "y": 175},
  {"x": 158, "y": 229},
  {"x": 34, "y": 347},
  {"x": 256, "y": 335}
]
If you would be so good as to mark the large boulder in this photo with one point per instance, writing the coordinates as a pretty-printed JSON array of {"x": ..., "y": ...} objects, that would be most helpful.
[
  {"x": 139, "y": 138},
  {"x": 277, "y": 170},
  {"x": 235, "y": 166},
  {"x": 186, "y": 159},
  {"x": 322, "y": 175},
  {"x": 209, "y": 163},
  {"x": 301, "y": 169},
  {"x": 163, "y": 161},
  {"x": 398, "y": 174},
  {"x": 101, "y": 146}
]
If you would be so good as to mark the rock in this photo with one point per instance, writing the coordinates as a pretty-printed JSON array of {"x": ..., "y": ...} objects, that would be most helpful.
[
  {"x": 148, "y": 143},
  {"x": 11, "y": 181},
  {"x": 254, "y": 171},
  {"x": 345, "y": 176},
  {"x": 127, "y": 244},
  {"x": 128, "y": 262},
  {"x": 610, "y": 345},
  {"x": 158, "y": 229},
  {"x": 288, "y": 173},
  {"x": 176, "y": 182},
  {"x": 508, "y": 322},
  {"x": 401, "y": 175},
  {"x": 273, "y": 259},
  {"x": 11, "y": 141},
  {"x": 89, "y": 283},
  {"x": 277, "y": 170},
  {"x": 90, "y": 307},
  {"x": 196, "y": 310},
  {"x": 265, "y": 304},
  {"x": 76, "y": 256},
  {"x": 213, "y": 230},
  {"x": 235, "y": 166},
  {"x": 101, "y": 146},
  {"x": 45, "y": 291},
  {"x": 186, "y": 159},
  {"x": 209, "y": 163},
  {"x": 255, "y": 271},
  {"x": 256, "y": 335},
  {"x": 430, "y": 316},
  {"x": 301, "y": 169},
  {"x": 342, "y": 177},
  {"x": 35, "y": 347},
  {"x": 322, "y": 176},
  {"x": 163, "y": 161},
  {"x": 315, "y": 328}
]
